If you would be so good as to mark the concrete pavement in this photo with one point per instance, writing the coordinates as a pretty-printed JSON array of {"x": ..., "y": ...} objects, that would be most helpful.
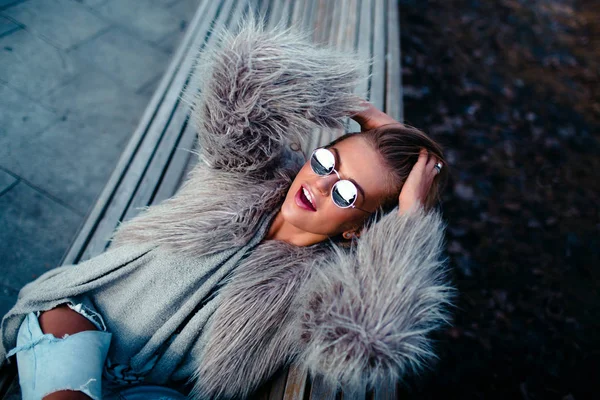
[{"x": 75, "y": 77}]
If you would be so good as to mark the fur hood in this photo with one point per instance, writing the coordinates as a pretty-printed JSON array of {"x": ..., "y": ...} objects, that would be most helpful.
[{"x": 358, "y": 315}]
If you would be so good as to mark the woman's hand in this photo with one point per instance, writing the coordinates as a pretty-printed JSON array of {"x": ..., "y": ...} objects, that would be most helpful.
[
  {"x": 419, "y": 182},
  {"x": 371, "y": 117}
]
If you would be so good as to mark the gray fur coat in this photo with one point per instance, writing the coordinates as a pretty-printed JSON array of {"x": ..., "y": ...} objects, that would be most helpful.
[{"x": 353, "y": 315}]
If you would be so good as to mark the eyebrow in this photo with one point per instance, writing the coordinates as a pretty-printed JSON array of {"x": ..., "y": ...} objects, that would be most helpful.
[{"x": 337, "y": 154}]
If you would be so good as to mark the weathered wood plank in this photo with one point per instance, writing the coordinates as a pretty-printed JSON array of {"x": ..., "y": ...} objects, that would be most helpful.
[
  {"x": 174, "y": 174},
  {"x": 8, "y": 373},
  {"x": 393, "y": 58},
  {"x": 358, "y": 394},
  {"x": 378, "y": 71},
  {"x": 275, "y": 12},
  {"x": 386, "y": 392},
  {"x": 296, "y": 384},
  {"x": 363, "y": 46},
  {"x": 278, "y": 385},
  {"x": 319, "y": 390}
]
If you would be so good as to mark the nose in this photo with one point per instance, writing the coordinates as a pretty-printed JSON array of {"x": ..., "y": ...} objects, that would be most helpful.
[{"x": 323, "y": 184}]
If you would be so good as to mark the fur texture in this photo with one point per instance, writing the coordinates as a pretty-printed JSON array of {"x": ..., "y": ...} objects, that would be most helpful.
[
  {"x": 259, "y": 90},
  {"x": 367, "y": 313},
  {"x": 359, "y": 315},
  {"x": 253, "y": 334},
  {"x": 214, "y": 210}
]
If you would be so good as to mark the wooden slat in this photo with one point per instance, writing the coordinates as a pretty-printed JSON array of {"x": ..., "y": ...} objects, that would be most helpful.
[
  {"x": 363, "y": 47},
  {"x": 13, "y": 392},
  {"x": 322, "y": 21},
  {"x": 278, "y": 385},
  {"x": 336, "y": 16},
  {"x": 393, "y": 59},
  {"x": 130, "y": 182},
  {"x": 296, "y": 384},
  {"x": 378, "y": 71},
  {"x": 275, "y": 12},
  {"x": 288, "y": 11},
  {"x": 321, "y": 391},
  {"x": 302, "y": 14},
  {"x": 174, "y": 174},
  {"x": 359, "y": 394},
  {"x": 106, "y": 198},
  {"x": 386, "y": 392},
  {"x": 8, "y": 372}
]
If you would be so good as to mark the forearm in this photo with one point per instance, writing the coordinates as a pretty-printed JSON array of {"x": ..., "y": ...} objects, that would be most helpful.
[{"x": 260, "y": 90}]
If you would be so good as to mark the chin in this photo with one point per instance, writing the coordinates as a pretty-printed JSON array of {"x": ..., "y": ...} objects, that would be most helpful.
[{"x": 294, "y": 215}]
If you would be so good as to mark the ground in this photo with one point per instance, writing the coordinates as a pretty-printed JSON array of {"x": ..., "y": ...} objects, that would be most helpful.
[
  {"x": 510, "y": 89},
  {"x": 75, "y": 78}
]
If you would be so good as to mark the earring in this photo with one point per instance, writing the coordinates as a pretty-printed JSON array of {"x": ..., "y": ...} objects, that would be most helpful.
[{"x": 350, "y": 235}]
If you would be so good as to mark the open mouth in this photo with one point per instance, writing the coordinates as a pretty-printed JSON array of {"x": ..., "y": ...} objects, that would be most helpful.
[{"x": 303, "y": 199}]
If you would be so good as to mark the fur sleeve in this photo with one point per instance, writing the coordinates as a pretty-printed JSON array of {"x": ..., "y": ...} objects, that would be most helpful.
[
  {"x": 260, "y": 90},
  {"x": 366, "y": 313}
]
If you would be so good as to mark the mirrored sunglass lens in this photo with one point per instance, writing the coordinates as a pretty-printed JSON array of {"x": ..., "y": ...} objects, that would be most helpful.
[
  {"x": 344, "y": 193},
  {"x": 322, "y": 162}
]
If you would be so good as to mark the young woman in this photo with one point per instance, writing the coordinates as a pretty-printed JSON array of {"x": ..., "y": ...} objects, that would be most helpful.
[{"x": 334, "y": 262}]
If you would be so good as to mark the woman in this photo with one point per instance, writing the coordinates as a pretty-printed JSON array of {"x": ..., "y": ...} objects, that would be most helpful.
[{"x": 257, "y": 261}]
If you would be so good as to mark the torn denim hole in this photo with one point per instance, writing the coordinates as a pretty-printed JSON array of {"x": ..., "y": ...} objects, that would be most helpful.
[
  {"x": 82, "y": 354},
  {"x": 91, "y": 315}
]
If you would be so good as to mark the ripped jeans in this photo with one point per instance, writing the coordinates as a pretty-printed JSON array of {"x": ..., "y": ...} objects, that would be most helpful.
[{"x": 47, "y": 364}]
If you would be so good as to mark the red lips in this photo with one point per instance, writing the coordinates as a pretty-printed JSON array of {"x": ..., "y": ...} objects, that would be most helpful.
[{"x": 303, "y": 202}]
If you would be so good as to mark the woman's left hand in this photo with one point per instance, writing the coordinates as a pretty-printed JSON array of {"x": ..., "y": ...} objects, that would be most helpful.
[
  {"x": 371, "y": 117},
  {"x": 419, "y": 182}
]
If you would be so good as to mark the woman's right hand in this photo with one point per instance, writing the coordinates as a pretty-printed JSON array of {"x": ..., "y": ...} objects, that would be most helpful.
[
  {"x": 371, "y": 117},
  {"x": 419, "y": 182}
]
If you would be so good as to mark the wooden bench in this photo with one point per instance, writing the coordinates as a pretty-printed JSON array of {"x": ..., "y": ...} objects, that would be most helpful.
[{"x": 158, "y": 156}]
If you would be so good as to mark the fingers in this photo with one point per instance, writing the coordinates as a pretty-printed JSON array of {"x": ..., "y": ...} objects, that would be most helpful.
[{"x": 430, "y": 162}]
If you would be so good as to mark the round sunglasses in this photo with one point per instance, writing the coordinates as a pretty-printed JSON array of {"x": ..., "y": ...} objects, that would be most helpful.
[{"x": 344, "y": 193}]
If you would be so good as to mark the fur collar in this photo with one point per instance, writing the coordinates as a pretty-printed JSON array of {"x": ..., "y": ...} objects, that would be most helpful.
[{"x": 214, "y": 210}]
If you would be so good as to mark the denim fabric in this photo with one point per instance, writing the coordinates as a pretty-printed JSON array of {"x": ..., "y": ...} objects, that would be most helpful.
[{"x": 47, "y": 364}]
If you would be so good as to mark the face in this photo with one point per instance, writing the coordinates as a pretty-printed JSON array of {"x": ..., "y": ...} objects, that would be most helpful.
[{"x": 355, "y": 160}]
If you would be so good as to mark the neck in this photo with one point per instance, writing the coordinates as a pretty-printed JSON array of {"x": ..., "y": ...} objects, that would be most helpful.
[{"x": 280, "y": 229}]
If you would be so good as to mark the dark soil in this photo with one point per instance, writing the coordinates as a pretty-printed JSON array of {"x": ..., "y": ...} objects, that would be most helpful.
[{"x": 510, "y": 88}]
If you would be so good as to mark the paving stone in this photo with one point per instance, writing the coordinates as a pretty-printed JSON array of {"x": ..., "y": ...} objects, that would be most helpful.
[
  {"x": 184, "y": 9},
  {"x": 93, "y": 94},
  {"x": 31, "y": 65},
  {"x": 72, "y": 160},
  {"x": 148, "y": 91},
  {"x": 8, "y": 298},
  {"x": 91, "y": 3},
  {"x": 20, "y": 114},
  {"x": 6, "y": 180},
  {"x": 149, "y": 20},
  {"x": 36, "y": 232},
  {"x": 6, "y": 25},
  {"x": 123, "y": 57},
  {"x": 8, "y": 3},
  {"x": 170, "y": 43},
  {"x": 63, "y": 22}
]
